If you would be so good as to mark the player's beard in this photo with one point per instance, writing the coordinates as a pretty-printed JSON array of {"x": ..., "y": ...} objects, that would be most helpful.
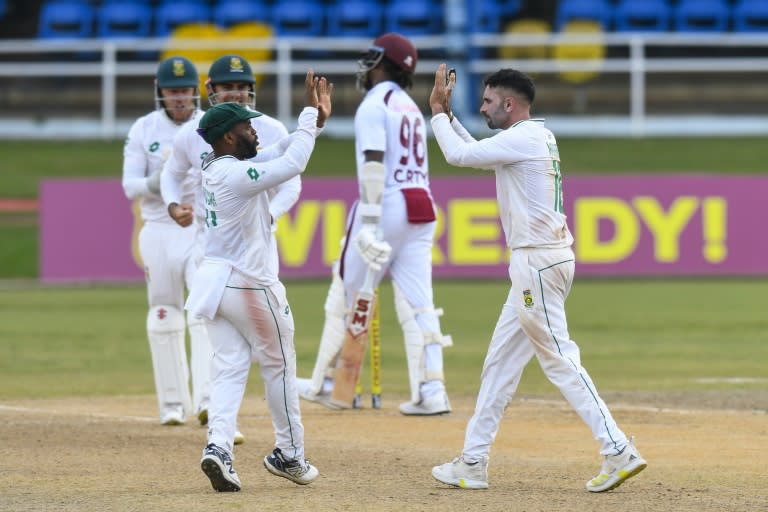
[{"x": 245, "y": 148}]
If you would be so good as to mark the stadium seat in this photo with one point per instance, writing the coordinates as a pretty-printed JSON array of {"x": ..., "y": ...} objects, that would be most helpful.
[
  {"x": 701, "y": 16},
  {"x": 124, "y": 19},
  {"x": 414, "y": 17},
  {"x": 230, "y": 12},
  {"x": 71, "y": 20},
  {"x": 170, "y": 15},
  {"x": 193, "y": 32},
  {"x": 355, "y": 18},
  {"x": 595, "y": 10},
  {"x": 594, "y": 51},
  {"x": 298, "y": 18},
  {"x": 642, "y": 16},
  {"x": 523, "y": 27},
  {"x": 486, "y": 16},
  {"x": 252, "y": 30},
  {"x": 750, "y": 16}
]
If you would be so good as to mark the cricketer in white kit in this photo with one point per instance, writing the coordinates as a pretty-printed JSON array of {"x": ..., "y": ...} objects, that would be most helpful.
[
  {"x": 237, "y": 288},
  {"x": 526, "y": 161},
  {"x": 168, "y": 251},
  {"x": 391, "y": 227},
  {"x": 185, "y": 163}
]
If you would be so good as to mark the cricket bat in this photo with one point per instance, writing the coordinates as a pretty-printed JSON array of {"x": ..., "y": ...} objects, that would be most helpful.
[{"x": 355, "y": 341}]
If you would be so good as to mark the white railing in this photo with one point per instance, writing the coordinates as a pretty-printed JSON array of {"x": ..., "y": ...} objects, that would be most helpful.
[{"x": 22, "y": 58}]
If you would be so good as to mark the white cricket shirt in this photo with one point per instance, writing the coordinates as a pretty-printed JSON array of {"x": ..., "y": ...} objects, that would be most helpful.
[
  {"x": 528, "y": 180},
  {"x": 389, "y": 120},
  {"x": 147, "y": 147}
]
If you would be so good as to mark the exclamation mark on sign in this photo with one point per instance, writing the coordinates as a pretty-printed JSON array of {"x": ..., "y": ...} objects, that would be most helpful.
[{"x": 714, "y": 217}]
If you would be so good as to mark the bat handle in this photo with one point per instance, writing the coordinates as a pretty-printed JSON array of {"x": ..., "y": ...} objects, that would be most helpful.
[{"x": 370, "y": 275}]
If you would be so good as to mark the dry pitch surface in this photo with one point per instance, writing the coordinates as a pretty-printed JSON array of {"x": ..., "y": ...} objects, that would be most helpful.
[{"x": 110, "y": 454}]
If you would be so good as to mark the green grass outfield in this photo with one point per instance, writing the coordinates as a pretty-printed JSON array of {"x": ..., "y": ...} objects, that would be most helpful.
[
  {"x": 635, "y": 335},
  {"x": 25, "y": 163}
]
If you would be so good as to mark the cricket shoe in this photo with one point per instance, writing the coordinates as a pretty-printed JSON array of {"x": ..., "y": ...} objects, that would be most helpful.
[
  {"x": 618, "y": 468},
  {"x": 301, "y": 472},
  {"x": 239, "y": 437},
  {"x": 306, "y": 392},
  {"x": 217, "y": 466},
  {"x": 459, "y": 473},
  {"x": 428, "y": 406},
  {"x": 172, "y": 416}
]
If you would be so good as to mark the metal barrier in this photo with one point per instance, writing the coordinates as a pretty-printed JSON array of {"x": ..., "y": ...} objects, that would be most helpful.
[{"x": 645, "y": 85}]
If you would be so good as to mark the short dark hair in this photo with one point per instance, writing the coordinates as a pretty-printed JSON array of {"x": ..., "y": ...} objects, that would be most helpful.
[
  {"x": 514, "y": 80},
  {"x": 397, "y": 74}
]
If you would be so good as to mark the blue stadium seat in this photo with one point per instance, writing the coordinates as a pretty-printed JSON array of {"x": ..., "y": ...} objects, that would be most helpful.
[
  {"x": 486, "y": 16},
  {"x": 414, "y": 17},
  {"x": 124, "y": 19},
  {"x": 355, "y": 18},
  {"x": 71, "y": 20},
  {"x": 750, "y": 16},
  {"x": 587, "y": 10},
  {"x": 642, "y": 16},
  {"x": 231, "y": 12},
  {"x": 701, "y": 16},
  {"x": 298, "y": 18},
  {"x": 171, "y": 14}
]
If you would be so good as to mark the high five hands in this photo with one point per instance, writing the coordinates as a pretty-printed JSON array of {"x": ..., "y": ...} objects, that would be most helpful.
[
  {"x": 317, "y": 93},
  {"x": 440, "y": 98}
]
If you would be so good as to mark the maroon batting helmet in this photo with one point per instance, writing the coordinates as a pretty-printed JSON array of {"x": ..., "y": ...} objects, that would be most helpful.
[{"x": 395, "y": 48}]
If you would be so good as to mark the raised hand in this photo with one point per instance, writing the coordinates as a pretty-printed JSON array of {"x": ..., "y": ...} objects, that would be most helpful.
[
  {"x": 324, "y": 92},
  {"x": 310, "y": 89},
  {"x": 440, "y": 98}
]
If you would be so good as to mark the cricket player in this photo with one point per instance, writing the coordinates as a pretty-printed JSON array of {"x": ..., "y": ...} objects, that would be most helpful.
[
  {"x": 237, "y": 288},
  {"x": 390, "y": 229},
  {"x": 166, "y": 249},
  {"x": 230, "y": 78},
  {"x": 529, "y": 191}
]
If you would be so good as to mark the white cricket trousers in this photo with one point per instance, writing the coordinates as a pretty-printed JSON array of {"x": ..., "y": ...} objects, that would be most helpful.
[
  {"x": 533, "y": 322},
  {"x": 254, "y": 324}
]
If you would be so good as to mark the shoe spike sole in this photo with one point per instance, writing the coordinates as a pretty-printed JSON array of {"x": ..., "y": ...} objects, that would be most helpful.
[{"x": 218, "y": 482}]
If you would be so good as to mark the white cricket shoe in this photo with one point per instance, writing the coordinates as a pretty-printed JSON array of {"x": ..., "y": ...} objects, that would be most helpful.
[
  {"x": 299, "y": 471},
  {"x": 431, "y": 405},
  {"x": 172, "y": 416},
  {"x": 239, "y": 437},
  {"x": 306, "y": 392},
  {"x": 617, "y": 469},
  {"x": 217, "y": 466},
  {"x": 462, "y": 474}
]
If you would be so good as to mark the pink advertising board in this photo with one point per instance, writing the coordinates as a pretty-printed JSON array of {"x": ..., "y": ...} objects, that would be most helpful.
[{"x": 623, "y": 226}]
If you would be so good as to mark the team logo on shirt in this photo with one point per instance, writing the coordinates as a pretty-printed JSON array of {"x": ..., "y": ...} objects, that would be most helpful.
[
  {"x": 153, "y": 147},
  {"x": 253, "y": 173},
  {"x": 527, "y": 299}
]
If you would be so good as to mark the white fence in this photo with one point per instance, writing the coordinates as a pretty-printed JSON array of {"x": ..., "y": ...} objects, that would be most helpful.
[{"x": 732, "y": 70}]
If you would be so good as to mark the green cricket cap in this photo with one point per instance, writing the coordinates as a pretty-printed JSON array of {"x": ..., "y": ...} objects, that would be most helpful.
[{"x": 220, "y": 118}]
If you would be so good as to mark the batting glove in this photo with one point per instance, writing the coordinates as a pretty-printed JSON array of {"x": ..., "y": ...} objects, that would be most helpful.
[{"x": 371, "y": 246}]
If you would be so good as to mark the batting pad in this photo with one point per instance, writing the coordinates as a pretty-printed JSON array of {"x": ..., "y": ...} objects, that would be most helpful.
[{"x": 165, "y": 329}]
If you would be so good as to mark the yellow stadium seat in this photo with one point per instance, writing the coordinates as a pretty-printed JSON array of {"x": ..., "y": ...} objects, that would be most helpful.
[
  {"x": 252, "y": 30},
  {"x": 201, "y": 57},
  {"x": 526, "y": 26},
  {"x": 580, "y": 51}
]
